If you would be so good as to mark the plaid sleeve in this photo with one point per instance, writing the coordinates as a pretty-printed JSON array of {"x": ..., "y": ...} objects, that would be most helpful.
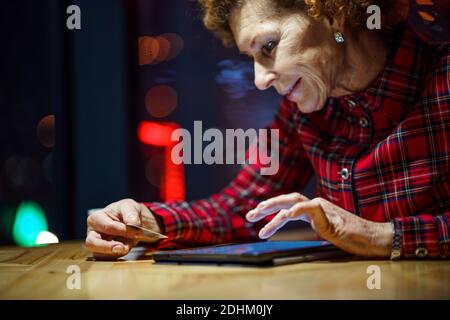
[
  {"x": 425, "y": 236},
  {"x": 428, "y": 235},
  {"x": 220, "y": 218}
]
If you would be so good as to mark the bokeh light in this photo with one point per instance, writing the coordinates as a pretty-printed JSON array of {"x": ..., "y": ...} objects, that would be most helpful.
[
  {"x": 148, "y": 50},
  {"x": 46, "y": 237},
  {"x": 425, "y": 2},
  {"x": 22, "y": 172},
  {"x": 164, "y": 49},
  {"x": 426, "y": 16},
  {"x": 161, "y": 100},
  {"x": 154, "y": 170},
  {"x": 156, "y": 133},
  {"x": 154, "y": 50},
  {"x": 30, "y": 221},
  {"x": 46, "y": 131},
  {"x": 176, "y": 44}
]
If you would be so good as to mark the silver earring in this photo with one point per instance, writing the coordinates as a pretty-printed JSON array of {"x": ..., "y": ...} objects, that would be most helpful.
[{"x": 338, "y": 37}]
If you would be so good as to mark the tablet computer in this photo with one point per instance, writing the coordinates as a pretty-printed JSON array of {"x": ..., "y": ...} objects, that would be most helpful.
[{"x": 256, "y": 253}]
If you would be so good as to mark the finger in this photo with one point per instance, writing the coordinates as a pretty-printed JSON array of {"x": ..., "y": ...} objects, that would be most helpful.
[
  {"x": 319, "y": 220},
  {"x": 96, "y": 244},
  {"x": 275, "y": 224},
  {"x": 314, "y": 211},
  {"x": 103, "y": 222},
  {"x": 296, "y": 212},
  {"x": 273, "y": 205},
  {"x": 130, "y": 213}
]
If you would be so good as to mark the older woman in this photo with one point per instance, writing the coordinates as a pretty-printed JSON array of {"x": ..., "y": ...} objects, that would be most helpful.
[{"x": 367, "y": 113}]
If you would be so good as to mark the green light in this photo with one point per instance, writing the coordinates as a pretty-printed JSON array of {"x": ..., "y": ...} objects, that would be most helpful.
[{"x": 30, "y": 220}]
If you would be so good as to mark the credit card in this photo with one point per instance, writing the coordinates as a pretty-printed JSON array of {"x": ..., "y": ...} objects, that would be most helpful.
[{"x": 149, "y": 235}]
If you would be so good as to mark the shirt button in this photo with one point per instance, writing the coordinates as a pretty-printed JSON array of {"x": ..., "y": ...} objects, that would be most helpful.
[
  {"x": 363, "y": 122},
  {"x": 351, "y": 103},
  {"x": 344, "y": 173},
  {"x": 421, "y": 252}
]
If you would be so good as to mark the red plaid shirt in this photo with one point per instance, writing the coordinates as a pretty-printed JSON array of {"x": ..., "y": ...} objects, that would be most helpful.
[{"x": 382, "y": 154}]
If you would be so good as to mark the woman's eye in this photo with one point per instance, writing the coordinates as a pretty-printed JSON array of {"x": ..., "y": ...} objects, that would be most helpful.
[{"x": 268, "y": 47}]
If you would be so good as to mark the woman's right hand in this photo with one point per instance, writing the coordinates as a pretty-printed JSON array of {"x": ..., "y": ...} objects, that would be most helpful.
[{"x": 108, "y": 235}]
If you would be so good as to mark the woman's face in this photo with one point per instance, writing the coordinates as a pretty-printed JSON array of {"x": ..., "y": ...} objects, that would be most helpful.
[{"x": 292, "y": 52}]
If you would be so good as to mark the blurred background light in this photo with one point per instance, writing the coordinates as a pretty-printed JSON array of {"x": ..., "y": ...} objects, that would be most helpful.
[
  {"x": 30, "y": 221},
  {"x": 426, "y": 16},
  {"x": 154, "y": 170},
  {"x": 46, "y": 131},
  {"x": 160, "y": 170},
  {"x": 46, "y": 237},
  {"x": 148, "y": 50},
  {"x": 22, "y": 172},
  {"x": 153, "y": 50},
  {"x": 164, "y": 49},
  {"x": 161, "y": 100},
  {"x": 236, "y": 78},
  {"x": 176, "y": 44},
  {"x": 156, "y": 133}
]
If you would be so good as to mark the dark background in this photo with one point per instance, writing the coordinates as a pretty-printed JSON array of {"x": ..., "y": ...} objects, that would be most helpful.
[{"x": 91, "y": 82}]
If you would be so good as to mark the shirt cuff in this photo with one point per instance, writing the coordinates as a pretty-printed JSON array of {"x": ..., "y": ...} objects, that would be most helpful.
[
  {"x": 419, "y": 236},
  {"x": 170, "y": 223}
]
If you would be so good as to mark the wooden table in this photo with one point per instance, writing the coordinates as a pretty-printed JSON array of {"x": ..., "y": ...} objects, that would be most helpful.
[{"x": 40, "y": 273}]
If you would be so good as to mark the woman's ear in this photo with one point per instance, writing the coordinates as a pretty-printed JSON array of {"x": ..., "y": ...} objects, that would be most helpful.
[{"x": 337, "y": 23}]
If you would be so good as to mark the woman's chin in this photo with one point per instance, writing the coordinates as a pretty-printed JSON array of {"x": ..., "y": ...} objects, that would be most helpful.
[{"x": 309, "y": 105}]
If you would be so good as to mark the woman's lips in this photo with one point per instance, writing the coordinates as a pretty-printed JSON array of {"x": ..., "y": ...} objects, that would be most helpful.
[{"x": 293, "y": 93}]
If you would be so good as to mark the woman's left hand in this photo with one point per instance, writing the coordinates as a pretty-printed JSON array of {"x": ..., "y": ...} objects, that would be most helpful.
[{"x": 342, "y": 228}]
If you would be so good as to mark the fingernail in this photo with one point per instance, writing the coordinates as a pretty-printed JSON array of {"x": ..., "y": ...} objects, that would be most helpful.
[
  {"x": 250, "y": 214},
  {"x": 118, "y": 249},
  {"x": 262, "y": 232}
]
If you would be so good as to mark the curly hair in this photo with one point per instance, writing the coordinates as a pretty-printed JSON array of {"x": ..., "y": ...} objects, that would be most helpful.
[{"x": 216, "y": 13}]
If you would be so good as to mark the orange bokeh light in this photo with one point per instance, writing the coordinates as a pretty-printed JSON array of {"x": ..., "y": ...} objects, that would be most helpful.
[
  {"x": 161, "y": 100},
  {"x": 46, "y": 131},
  {"x": 425, "y": 2},
  {"x": 165, "y": 47},
  {"x": 426, "y": 16},
  {"x": 176, "y": 44},
  {"x": 148, "y": 50}
]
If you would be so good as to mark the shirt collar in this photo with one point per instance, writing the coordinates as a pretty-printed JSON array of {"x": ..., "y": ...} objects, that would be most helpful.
[{"x": 400, "y": 78}]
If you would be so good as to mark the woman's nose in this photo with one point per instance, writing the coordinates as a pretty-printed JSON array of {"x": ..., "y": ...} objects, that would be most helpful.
[{"x": 263, "y": 78}]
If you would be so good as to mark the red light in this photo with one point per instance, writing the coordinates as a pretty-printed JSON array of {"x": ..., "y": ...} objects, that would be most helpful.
[
  {"x": 159, "y": 134},
  {"x": 156, "y": 133},
  {"x": 161, "y": 100}
]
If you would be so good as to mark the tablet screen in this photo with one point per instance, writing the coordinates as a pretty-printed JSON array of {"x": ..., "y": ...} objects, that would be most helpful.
[{"x": 255, "y": 248}]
